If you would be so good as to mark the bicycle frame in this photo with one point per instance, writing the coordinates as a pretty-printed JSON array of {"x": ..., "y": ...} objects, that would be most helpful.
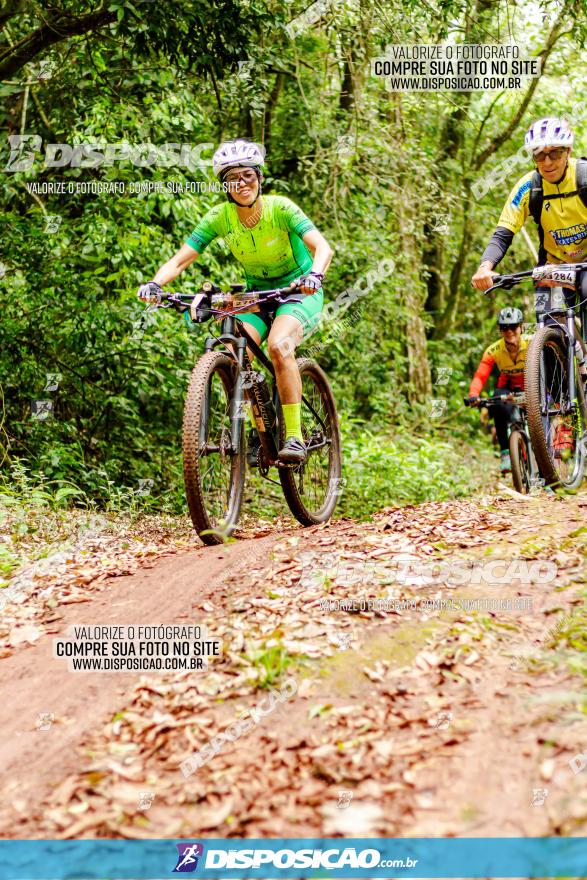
[
  {"x": 232, "y": 334},
  {"x": 235, "y": 339},
  {"x": 222, "y": 378},
  {"x": 569, "y": 330},
  {"x": 557, "y": 410},
  {"x": 521, "y": 425}
]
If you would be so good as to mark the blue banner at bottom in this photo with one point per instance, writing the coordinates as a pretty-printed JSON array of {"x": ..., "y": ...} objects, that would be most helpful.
[{"x": 306, "y": 858}]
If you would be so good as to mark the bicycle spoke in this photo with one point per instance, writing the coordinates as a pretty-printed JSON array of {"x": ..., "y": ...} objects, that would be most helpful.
[
  {"x": 310, "y": 489},
  {"x": 213, "y": 470},
  {"x": 216, "y": 478},
  {"x": 559, "y": 414},
  {"x": 315, "y": 486}
]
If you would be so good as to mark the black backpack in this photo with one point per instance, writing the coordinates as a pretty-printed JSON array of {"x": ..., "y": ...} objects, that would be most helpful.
[
  {"x": 537, "y": 200},
  {"x": 537, "y": 196}
]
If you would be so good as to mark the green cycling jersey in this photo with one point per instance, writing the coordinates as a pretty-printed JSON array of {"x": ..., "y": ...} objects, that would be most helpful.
[{"x": 271, "y": 253}]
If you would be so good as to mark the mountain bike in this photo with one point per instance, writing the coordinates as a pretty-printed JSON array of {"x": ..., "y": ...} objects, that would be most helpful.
[
  {"x": 222, "y": 386},
  {"x": 555, "y": 374},
  {"x": 525, "y": 474}
]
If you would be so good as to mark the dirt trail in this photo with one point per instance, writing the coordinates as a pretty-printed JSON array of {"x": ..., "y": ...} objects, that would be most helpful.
[
  {"x": 414, "y": 720},
  {"x": 34, "y": 682}
]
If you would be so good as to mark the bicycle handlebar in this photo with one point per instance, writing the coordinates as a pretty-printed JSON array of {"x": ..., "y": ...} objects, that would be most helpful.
[
  {"x": 516, "y": 397},
  {"x": 506, "y": 282},
  {"x": 216, "y": 302},
  {"x": 262, "y": 294}
]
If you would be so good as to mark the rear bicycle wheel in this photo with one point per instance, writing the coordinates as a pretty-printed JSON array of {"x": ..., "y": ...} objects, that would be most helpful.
[
  {"x": 520, "y": 458},
  {"x": 214, "y": 474},
  {"x": 312, "y": 489},
  {"x": 556, "y": 423}
]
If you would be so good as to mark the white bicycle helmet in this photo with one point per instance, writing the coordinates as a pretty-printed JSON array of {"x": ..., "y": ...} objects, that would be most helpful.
[
  {"x": 552, "y": 131},
  {"x": 237, "y": 154}
]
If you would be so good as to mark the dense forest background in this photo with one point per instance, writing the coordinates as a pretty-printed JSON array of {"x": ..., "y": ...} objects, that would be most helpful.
[{"x": 382, "y": 174}]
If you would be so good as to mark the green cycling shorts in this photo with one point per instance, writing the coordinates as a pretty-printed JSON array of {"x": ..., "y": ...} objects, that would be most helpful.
[{"x": 307, "y": 310}]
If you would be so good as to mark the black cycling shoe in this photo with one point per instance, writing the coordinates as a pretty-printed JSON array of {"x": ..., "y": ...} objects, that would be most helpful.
[
  {"x": 253, "y": 446},
  {"x": 293, "y": 452}
]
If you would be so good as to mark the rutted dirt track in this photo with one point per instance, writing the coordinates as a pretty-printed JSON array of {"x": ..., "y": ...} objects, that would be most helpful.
[
  {"x": 411, "y": 721},
  {"x": 34, "y": 683}
]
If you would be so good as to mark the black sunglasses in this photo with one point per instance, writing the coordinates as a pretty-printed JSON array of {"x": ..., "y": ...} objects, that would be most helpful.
[
  {"x": 555, "y": 155},
  {"x": 247, "y": 176}
]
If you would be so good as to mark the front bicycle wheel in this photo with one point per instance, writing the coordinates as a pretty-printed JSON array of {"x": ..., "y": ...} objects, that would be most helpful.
[
  {"x": 214, "y": 473},
  {"x": 556, "y": 423},
  {"x": 520, "y": 458},
  {"x": 312, "y": 489}
]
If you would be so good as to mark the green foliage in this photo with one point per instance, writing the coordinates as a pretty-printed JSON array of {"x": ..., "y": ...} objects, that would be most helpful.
[
  {"x": 271, "y": 662},
  {"x": 385, "y": 471},
  {"x": 374, "y": 170},
  {"x": 572, "y": 632},
  {"x": 33, "y": 515}
]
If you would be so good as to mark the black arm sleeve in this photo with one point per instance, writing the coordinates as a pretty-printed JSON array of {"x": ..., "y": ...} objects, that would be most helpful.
[{"x": 498, "y": 246}]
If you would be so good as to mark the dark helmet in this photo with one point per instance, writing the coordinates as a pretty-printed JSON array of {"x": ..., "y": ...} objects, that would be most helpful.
[{"x": 510, "y": 317}]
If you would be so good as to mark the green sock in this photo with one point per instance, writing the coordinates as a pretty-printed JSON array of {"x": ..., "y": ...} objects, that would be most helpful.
[{"x": 292, "y": 416}]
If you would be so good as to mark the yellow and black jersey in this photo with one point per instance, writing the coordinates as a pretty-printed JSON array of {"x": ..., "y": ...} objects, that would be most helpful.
[
  {"x": 511, "y": 372},
  {"x": 563, "y": 220}
]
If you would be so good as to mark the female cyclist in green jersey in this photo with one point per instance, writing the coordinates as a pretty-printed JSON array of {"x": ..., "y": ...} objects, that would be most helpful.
[{"x": 277, "y": 245}]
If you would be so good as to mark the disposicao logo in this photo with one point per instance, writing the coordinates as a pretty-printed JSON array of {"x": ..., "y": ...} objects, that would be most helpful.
[{"x": 187, "y": 859}]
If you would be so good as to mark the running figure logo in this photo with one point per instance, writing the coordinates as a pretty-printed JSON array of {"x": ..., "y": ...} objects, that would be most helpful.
[{"x": 187, "y": 859}]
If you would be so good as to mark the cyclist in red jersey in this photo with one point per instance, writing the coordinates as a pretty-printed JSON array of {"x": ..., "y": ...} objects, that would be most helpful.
[{"x": 508, "y": 354}]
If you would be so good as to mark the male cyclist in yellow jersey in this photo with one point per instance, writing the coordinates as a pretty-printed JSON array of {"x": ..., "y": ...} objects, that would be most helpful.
[
  {"x": 555, "y": 195},
  {"x": 508, "y": 354},
  {"x": 556, "y": 190},
  {"x": 277, "y": 246}
]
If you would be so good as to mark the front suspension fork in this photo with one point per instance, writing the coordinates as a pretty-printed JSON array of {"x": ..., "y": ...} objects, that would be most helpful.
[
  {"x": 238, "y": 408},
  {"x": 571, "y": 355}
]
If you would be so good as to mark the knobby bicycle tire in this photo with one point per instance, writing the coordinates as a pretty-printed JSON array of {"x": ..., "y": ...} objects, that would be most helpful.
[
  {"x": 520, "y": 458},
  {"x": 196, "y": 410},
  {"x": 552, "y": 338},
  {"x": 290, "y": 477}
]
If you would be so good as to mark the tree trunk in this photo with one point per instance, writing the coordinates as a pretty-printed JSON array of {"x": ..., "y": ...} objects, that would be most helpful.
[
  {"x": 447, "y": 318},
  {"x": 54, "y": 30},
  {"x": 347, "y": 94},
  {"x": 270, "y": 107},
  {"x": 248, "y": 126},
  {"x": 414, "y": 297},
  {"x": 444, "y": 295},
  {"x": 450, "y": 143}
]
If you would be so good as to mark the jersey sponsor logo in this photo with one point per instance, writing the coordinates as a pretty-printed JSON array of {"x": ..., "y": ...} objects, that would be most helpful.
[
  {"x": 521, "y": 192},
  {"x": 493, "y": 349},
  {"x": 500, "y": 355},
  {"x": 570, "y": 234},
  {"x": 576, "y": 255}
]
